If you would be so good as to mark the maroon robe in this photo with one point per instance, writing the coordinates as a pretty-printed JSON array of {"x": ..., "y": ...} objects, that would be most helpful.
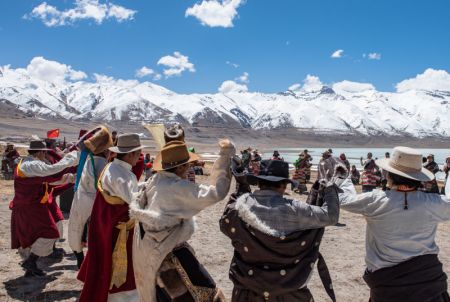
[
  {"x": 95, "y": 271},
  {"x": 31, "y": 219}
]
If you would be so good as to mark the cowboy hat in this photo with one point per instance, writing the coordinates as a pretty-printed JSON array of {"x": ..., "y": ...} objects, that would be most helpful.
[
  {"x": 406, "y": 162},
  {"x": 38, "y": 146},
  {"x": 127, "y": 143},
  {"x": 273, "y": 171},
  {"x": 172, "y": 155}
]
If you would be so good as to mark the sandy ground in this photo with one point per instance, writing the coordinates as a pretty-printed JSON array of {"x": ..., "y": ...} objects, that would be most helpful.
[{"x": 342, "y": 247}]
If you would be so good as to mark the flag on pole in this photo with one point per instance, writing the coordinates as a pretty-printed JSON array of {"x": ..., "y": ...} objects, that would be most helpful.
[{"x": 54, "y": 133}]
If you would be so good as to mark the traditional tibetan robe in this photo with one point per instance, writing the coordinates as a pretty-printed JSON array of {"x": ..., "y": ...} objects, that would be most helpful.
[
  {"x": 368, "y": 177},
  {"x": 32, "y": 221},
  {"x": 107, "y": 271},
  {"x": 84, "y": 201},
  {"x": 276, "y": 245},
  {"x": 165, "y": 212}
]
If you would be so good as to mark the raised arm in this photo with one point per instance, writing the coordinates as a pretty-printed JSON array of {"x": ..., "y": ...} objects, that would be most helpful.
[
  {"x": 41, "y": 169},
  {"x": 311, "y": 216},
  {"x": 353, "y": 202},
  {"x": 203, "y": 196}
]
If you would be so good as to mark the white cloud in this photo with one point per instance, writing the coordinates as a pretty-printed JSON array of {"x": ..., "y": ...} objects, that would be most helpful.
[
  {"x": 374, "y": 56},
  {"x": 215, "y": 13},
  {"x": 312, "y": 83},
  {"x": 232, "y": 86},
  {"x": 53, "y": 71},
  {"x": 244, "y": 78},
  {"x": 176, "y": 64},
  {"x": 232, "y": 64},
  {"x": 337, "y": 54},
  {"x": 352, "y": 87},
  {"x": 295, "y": 87},
  {"x": 157, "y": 77},
  {"x": 431, "y": 79},
  {"x": 143, "y": 72},
  {"x": 104, "y": 79},
  {"x": 83, "y": 10}
]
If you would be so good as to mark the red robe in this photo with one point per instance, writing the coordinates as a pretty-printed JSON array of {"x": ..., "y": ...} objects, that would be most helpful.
[
  {"x": 53, "y": 157},
  {"x": 31, "y": 219},
  {"x": 95, "y": 271}
]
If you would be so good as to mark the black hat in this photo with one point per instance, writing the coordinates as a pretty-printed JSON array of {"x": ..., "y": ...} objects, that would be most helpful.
[
  {"x": 38, "y": 146},
  {"x": 271, "y": 170}
]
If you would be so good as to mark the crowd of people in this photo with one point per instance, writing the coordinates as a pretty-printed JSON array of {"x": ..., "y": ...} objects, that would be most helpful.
[{"x": 137, "y": 231}]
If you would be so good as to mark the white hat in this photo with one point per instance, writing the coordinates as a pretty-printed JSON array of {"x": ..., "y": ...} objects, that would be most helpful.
[
  {"x": 127, "y": 143},
  {"x": 406, "y": 162}
]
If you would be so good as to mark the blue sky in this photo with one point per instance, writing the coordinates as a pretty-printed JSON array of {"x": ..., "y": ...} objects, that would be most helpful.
[{"x": 278, "y": 43}]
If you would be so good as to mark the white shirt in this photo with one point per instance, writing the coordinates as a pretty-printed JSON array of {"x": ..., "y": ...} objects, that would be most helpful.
[
  {"x": 32, "y": 167},
  {"x": 118, "y": 180},
  {"x": 393, "y": 234}
]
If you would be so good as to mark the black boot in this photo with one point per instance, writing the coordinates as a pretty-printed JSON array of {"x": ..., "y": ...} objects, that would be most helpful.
[
  {"x": 30, "y": 266},
  {"x": 57, "y": 253},
  {"x": 80, "y": 258}
]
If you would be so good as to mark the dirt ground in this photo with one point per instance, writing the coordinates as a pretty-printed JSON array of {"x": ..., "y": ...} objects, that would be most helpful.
[{"x": 342, "y": 247}]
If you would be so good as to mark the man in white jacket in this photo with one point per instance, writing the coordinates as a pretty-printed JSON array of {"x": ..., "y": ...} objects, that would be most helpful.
[
  {"x": 166, "y": 208},
  {"x": 83, "y": 201}
]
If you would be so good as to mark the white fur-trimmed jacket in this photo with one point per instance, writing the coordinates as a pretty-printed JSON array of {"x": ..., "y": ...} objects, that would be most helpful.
[{"x": 165, "y": 211}]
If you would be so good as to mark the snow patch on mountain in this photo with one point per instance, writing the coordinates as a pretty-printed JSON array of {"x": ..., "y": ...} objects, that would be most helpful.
[{"x": 419, "y": 107}]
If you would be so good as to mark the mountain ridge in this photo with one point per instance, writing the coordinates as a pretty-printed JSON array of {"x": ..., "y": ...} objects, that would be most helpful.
[{"x": 349, "y": 107}]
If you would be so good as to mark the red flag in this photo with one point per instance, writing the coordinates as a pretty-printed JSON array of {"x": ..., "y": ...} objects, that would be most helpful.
[{"x": 54, "y": 133}]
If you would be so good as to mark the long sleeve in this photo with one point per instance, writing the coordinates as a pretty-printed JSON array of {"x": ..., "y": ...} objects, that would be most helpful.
[
  {"x": 311, "y": 216},
  {"x": 203, "y": 196},
  {"x": 122, "y": 186},
  {"x": 440, "y": 208},
  {"x": 353, "y": 202},
  {"x": 41, "y": 169}
]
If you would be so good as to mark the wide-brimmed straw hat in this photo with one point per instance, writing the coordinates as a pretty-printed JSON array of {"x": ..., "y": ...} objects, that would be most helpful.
[
  {"x": 38, "y": 146},
  {"x": 173, "y": 154},
  {"x": 127, "y": 143},
  {"x": 273, "y": 171},
  {"x": 406, "y": 162}
]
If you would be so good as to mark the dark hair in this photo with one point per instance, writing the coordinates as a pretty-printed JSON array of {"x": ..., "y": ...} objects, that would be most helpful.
[
  {"x": 267, "y": 185},
  {"x": 400, "y": 180},
  {"x": 121, "y": 156},
  {"x": 33, "y": 152}
]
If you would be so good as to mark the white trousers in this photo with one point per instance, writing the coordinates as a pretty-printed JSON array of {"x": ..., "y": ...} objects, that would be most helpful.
[
  {"x": 42, "y": 247},
  {"x": 128, "y": 296},
  {"x": 79, "y": 214}
]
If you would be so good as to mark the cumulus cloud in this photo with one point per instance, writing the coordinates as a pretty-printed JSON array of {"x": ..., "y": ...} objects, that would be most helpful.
[
  {"x": 53, "y": 71},
  {"x": 82, "y": 10},
  {"x": 312, "y": 83},
  {"x": 232, "y": 86},
  {"x": 352, "y": 87},
  {"x": 215, "y": 13},
  {"x": 431, "y": 79},
  {"x": 143, "y": 72},
  {"x": 176, "y": 64},
  {"x": 295, "y": 87},
  {"x": 337, "y": 54},
  {"x": 104, "y": 79},
  {"x": 374, "y": 56},
  {"x": 244, "y": 78}
]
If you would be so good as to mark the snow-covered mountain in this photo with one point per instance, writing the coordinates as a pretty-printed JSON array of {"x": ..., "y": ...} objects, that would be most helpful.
[{"x": 345, "y": 107}]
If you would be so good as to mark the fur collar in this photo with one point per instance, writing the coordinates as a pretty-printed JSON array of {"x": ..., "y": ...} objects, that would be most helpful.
[{"x": 244, "y": 206}]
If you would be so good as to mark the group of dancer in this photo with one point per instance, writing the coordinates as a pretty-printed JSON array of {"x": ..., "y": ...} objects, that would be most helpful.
[{"x": 138, "y": 231}]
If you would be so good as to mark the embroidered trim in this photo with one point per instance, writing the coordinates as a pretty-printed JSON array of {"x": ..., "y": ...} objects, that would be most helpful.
[{"x": 199, "y": 293}]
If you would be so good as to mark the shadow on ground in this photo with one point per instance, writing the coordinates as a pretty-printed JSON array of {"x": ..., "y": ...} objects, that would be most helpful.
[{"x": 30, "y": 289}]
